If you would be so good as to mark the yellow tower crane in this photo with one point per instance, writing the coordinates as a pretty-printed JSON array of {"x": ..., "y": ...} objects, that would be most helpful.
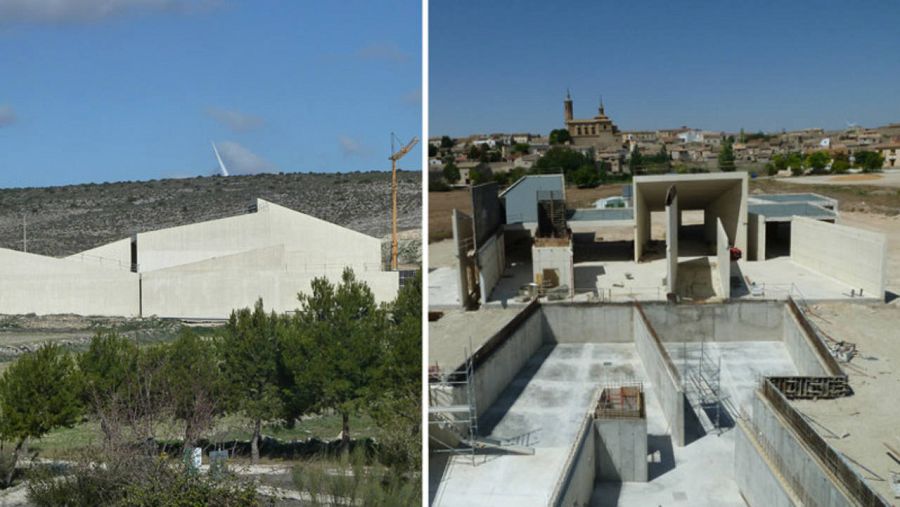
[{"x": 395, "y": 156}]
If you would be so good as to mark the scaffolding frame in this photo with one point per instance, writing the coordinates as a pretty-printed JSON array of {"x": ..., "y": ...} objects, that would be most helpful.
[{"x": 451, "y": 417}]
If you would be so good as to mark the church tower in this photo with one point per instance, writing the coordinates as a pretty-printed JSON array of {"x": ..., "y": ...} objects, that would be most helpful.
[{"x": 568, "y": 107}]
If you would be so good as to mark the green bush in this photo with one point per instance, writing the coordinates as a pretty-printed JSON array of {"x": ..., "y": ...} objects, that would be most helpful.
[{"x": 136, "y": 481}]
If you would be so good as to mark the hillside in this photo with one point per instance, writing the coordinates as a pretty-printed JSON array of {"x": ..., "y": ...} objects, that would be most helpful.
[{"x": 68, "y": 219}]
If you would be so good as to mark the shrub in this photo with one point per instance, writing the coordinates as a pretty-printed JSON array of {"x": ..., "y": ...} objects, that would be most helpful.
[
  {"x": 136, "y": 480},
  {"x": 354, "y": 481}
]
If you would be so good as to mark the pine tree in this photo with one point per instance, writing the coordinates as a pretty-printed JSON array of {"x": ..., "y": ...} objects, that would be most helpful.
[{"x": 38, "y": 393}]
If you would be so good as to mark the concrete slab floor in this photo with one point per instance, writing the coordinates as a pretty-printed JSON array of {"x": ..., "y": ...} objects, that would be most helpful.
[
  {"x": 443, "y": 287},
  {"x": 452, "y": 334},
  {"x": 743, "y": 364},
  {"x": 550, "y": 394},
  {"x": 702, "y": 472},
  {"x": 776, "y": 276}
]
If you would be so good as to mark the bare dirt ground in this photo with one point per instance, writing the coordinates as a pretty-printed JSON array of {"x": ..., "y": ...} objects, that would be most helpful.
[
  {"x": 440, "y": 206},
  {"x": 852, "y": 196},
  {"x": 885, "y": 179},
  {"x": 859, "y": 425}
]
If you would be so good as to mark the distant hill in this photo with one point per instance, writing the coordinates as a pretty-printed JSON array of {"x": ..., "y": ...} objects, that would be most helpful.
[{"x": 68, "y": 219}]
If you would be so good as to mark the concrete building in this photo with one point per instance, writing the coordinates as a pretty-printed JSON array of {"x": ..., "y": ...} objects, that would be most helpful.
[
  {"x": 520, "y": 199},
  {"x": 690, "y": 237},
  {"x": 202, "y": 270}
]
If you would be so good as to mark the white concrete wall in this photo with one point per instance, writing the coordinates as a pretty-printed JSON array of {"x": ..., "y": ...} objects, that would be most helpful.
[
  {"x": 723, "y": 260},
  {"x": 731, "y": 208},
  {"x": 324, "y": 244},
  {"x": 641, "y": 223},
  {"x": 115, "y": 255},
  {"x": 722, "y": 322},
  {"x": 803, "y": 353},
  {"x": 853, "y": 256},
  {"x": 673, "y": 217},
  {"x": 621, "y": 450},
  {"x": 43, "y": 285},
  {"x": 759, "y": 485},
  {"x": 213, "y": 288},
  {"x": 756, "y": 237},
  {"x": 498, "y": 370},
  {"x": 581, "y": 323},
  {"x": 491, "y": 260},
  {"x": 558, "y": 258},
  {"x": 796, "y": 461},
  {"x": 663, "y": 377},
  {"x": 578, "y": 483}
]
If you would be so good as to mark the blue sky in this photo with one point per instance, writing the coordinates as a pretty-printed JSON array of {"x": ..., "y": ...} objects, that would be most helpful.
[
  {"x": 770, "y": 65},
  {"x": 111, "y": 90}
]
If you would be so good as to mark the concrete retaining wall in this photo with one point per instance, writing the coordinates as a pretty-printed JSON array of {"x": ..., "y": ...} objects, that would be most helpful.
[
  {"x": 723, "y": 322},
  {"x": 853, "y": 256},
  {"x": 491, "y": 261},
  {"x": 577, "y": 483},
  {"x": 801, "y": 471},
  {"x": 43, "y": 285},
  {"x": 662, "y": 374},
  {"x": 494, "y": 372},
  {"x": 621, "y": 446},
  {"x": 804, "y": 355},
  {"x": 574, "y": 323},
  {"x": 758, "y": 484}
]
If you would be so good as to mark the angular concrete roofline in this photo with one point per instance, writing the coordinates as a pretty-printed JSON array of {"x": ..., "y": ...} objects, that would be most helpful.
[
  {"x": 520, "y": 180},
  {"x": 659, "y": 178}
]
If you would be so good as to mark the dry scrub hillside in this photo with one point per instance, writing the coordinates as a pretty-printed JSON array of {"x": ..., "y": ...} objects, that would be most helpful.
[{"x": 68, "y": 219}]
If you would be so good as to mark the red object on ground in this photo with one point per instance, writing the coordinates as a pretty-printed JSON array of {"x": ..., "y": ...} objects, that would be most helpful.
[{"x": 735, "y": 253}]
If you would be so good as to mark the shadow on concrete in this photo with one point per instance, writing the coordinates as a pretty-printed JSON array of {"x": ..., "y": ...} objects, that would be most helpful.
[
  {"x": 660, "y": 446},
  {"x": 606, "y": 494},
  {"x": 695, "y": 279},
  {"x": 718, "y": 414},
  {"x": 890, "y": 296},
  {"x": 437, "y": 466},
  {"x": 586, "y": 249},
  {"x": 493, "y": 415},
  {"x": 586, "y": 277},
  {"x": 692, "y": 242},
  {"x": 738, "y": 282},
  {"x": 693, "y": 428},
  {"x": 778, "y": 239}
]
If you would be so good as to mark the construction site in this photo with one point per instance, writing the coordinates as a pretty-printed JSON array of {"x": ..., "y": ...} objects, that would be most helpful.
[{"x": 699, "y": 346}]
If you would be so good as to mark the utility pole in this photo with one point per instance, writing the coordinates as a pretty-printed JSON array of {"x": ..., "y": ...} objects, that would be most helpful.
[
  {"x": 395, "y": 156},
  {"x": 24, "y": 233}
]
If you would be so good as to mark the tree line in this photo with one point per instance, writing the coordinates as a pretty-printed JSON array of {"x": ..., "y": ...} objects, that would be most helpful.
[{"x": 340, "y": 351}]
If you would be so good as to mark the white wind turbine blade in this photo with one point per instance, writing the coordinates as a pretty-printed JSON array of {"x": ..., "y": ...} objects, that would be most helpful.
[{"x": 221, "y": 164}]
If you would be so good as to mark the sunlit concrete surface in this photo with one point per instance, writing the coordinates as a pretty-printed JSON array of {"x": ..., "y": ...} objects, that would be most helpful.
[
  {"x": 443, "y": 287},
  {"x": 549, "y": 397}
]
